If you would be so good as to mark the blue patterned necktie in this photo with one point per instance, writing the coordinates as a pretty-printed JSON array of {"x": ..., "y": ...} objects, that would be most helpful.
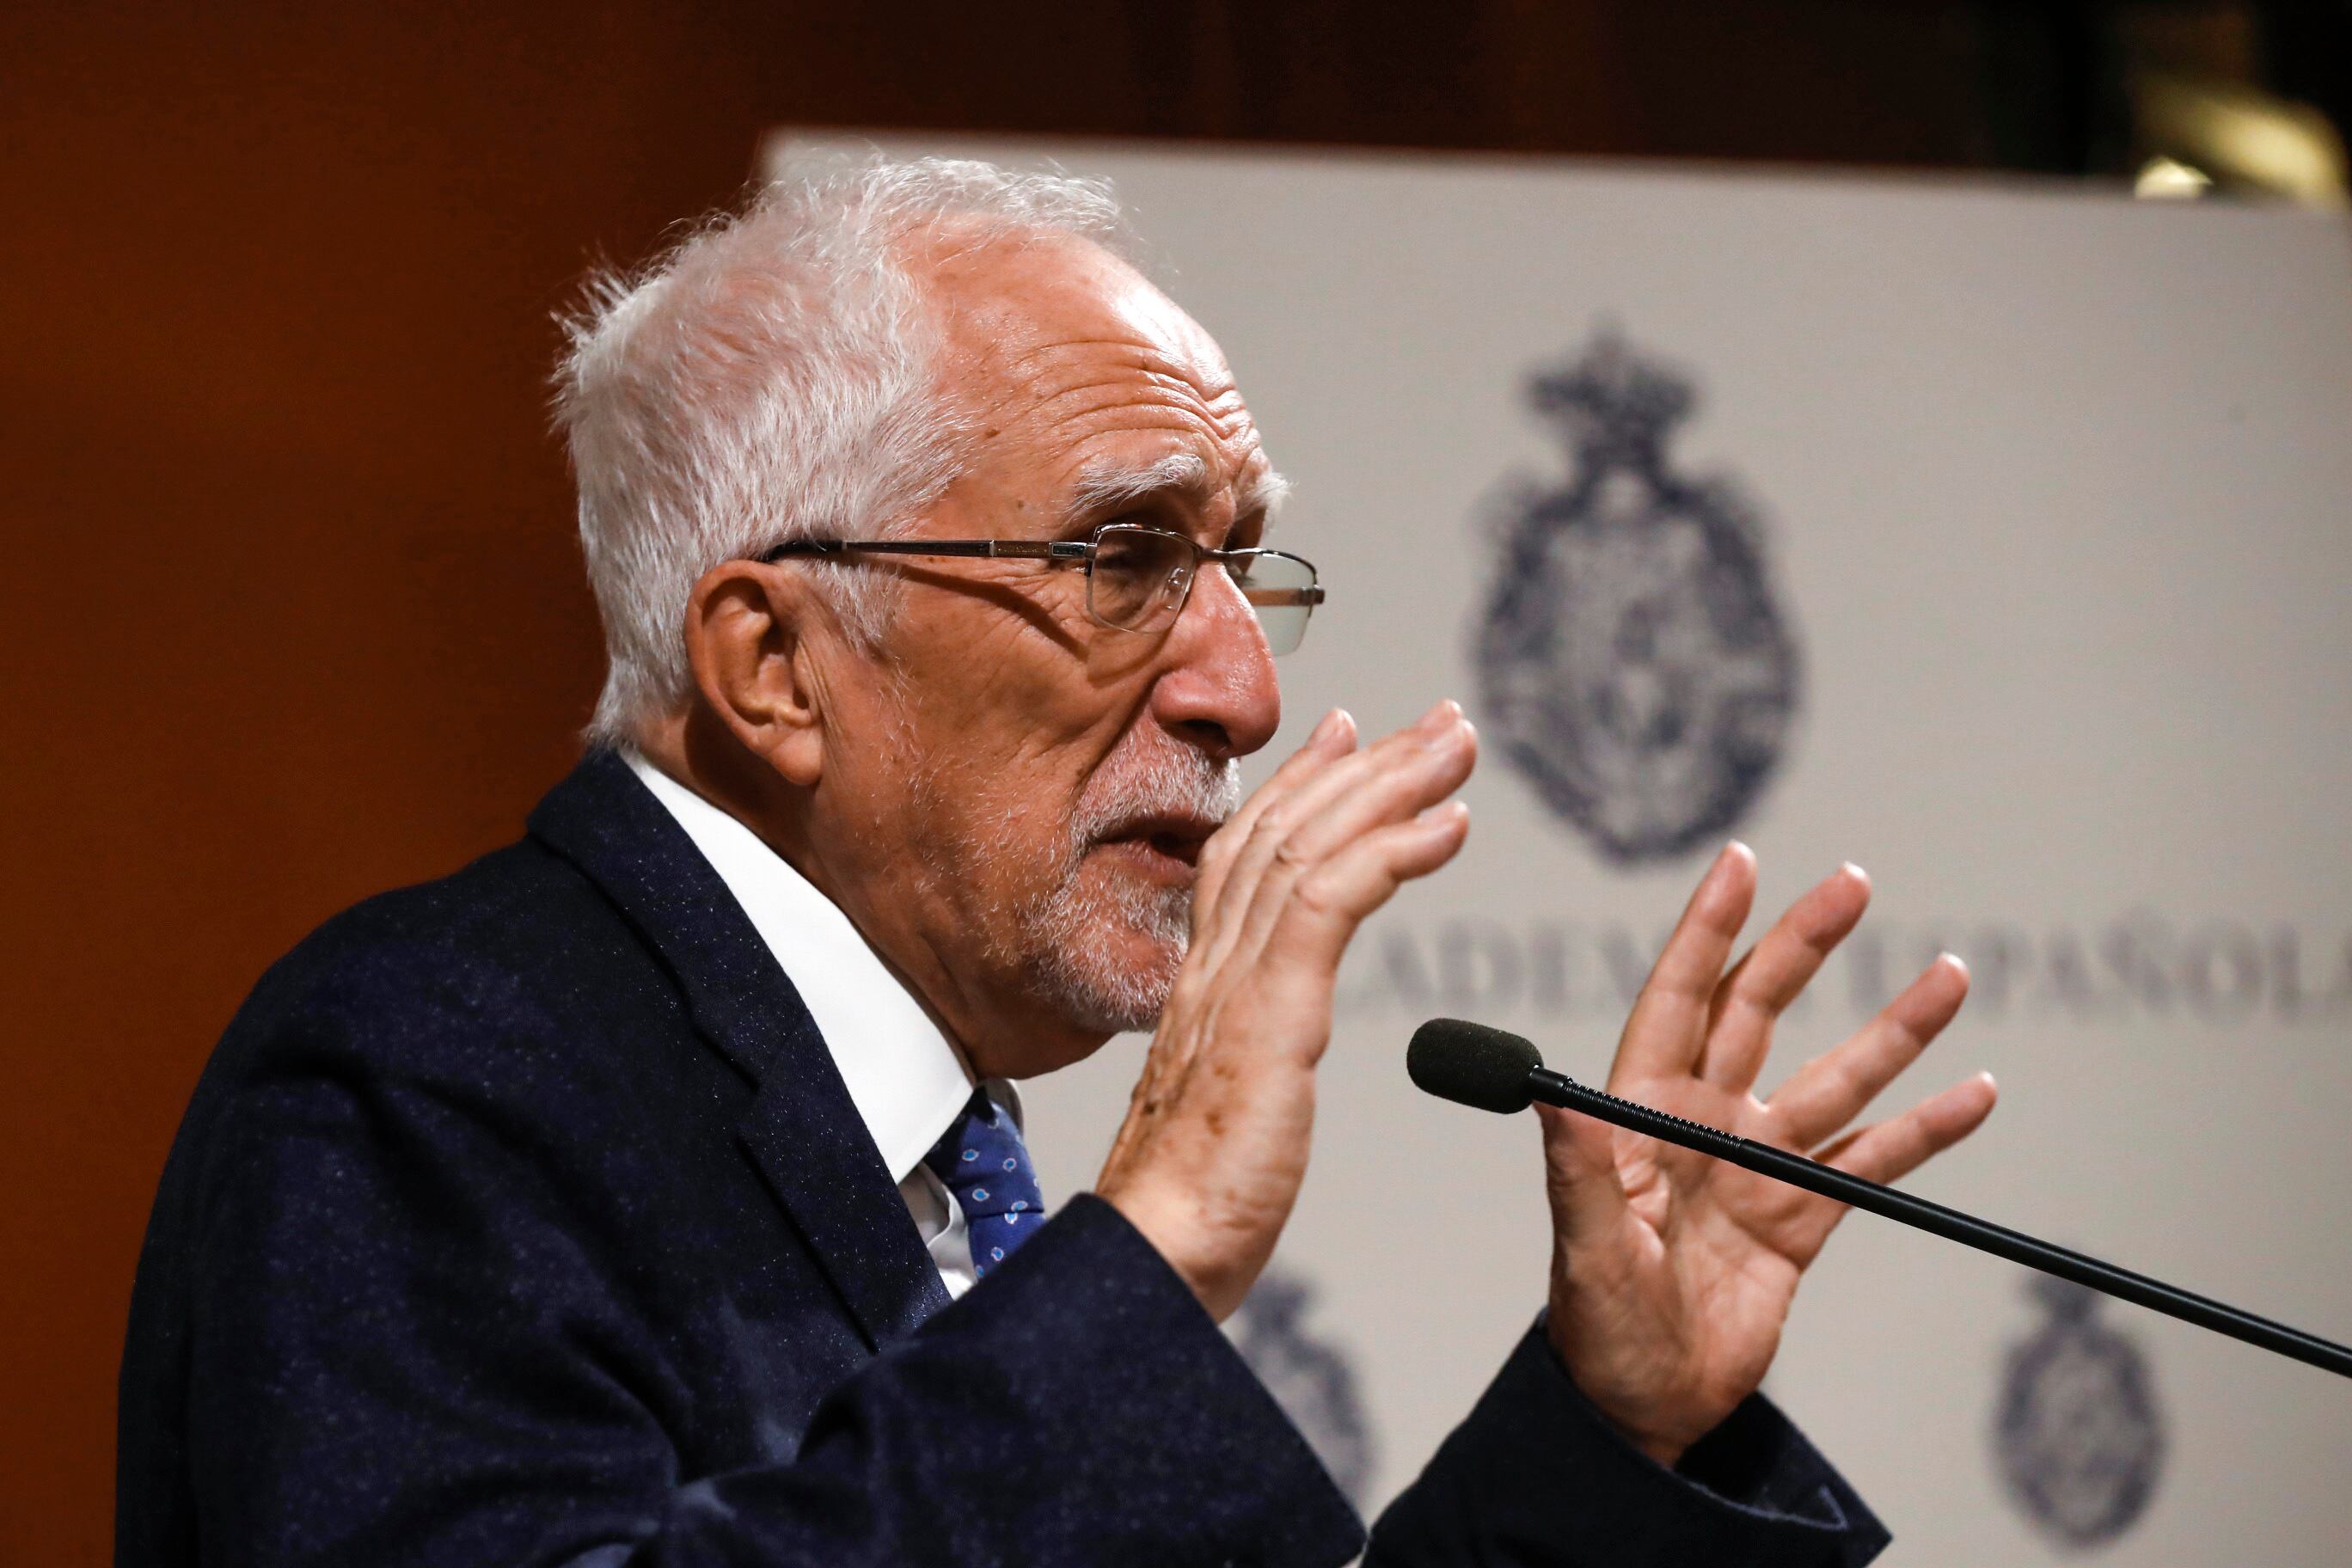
[{"x": 986, "y": 1167}]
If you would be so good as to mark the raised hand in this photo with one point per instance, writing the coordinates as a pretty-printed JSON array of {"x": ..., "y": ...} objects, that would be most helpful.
[
  {"x": 1672, "y": 1273},
  {"x": 1208, "y": 1163}
]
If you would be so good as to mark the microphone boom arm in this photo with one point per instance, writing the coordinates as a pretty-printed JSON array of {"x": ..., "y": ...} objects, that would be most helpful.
[{"x": 1556, "y": 1089}]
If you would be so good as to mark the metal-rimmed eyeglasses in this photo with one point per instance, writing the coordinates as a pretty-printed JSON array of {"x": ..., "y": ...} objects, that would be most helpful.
[{"x": 1138, "y": 578}]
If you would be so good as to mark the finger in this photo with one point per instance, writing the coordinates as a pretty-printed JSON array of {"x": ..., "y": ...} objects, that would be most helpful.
[
  {"x": 1832, "y": 1090},
  {"x": 1667, "y": 1027},
  {"x": 1407, "y": 783},
  {"x": 1753, "y": 996},
  {"x": 1333, "y": 738},
  {"x": 1390, "y": 782},
  {"x": 1330, "y": 901},
  {"x": 1588, "y": 1199},
  {"x": 1887, "y": 1151},
  {"x": 1247, "y": 843}
]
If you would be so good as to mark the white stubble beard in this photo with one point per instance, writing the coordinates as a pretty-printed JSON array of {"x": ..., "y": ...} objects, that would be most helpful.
[{"x": 1067, "y": 934}]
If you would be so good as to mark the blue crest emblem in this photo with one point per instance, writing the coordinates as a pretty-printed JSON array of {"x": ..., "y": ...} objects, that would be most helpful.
[
  {"x": 2077, "y": 1437},
  {"x": 1632, "y": 664},
  {"x": 1309, "y": 1377}
]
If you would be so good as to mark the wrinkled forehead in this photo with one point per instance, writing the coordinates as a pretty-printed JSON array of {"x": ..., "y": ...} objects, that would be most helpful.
[{"x": 1073, "y": 363}]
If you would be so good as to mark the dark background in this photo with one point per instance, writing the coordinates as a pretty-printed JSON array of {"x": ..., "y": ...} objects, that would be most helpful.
[{"x": 292, "y": 609}]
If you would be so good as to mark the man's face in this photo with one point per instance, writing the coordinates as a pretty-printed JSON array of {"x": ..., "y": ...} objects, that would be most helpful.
[{"x": 1036, "y": 787}]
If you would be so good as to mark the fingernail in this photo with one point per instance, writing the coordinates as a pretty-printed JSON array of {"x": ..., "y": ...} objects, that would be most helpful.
[
  {"x": 1440, "y": 713},
  {"x": 1329, "y": 727},
  {"x": 1850, "y": 869},
  {"x": 1444, "y": 740},
  {"x": 1954, "y": 959}
]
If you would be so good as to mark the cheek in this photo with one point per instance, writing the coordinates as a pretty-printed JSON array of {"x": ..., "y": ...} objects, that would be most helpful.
[
  {"x": 974, "y": 794},
  {"x": 994, "y": 682},
  {"x": 999, "y": 731},
  {"x": 1012, "y": 726}
]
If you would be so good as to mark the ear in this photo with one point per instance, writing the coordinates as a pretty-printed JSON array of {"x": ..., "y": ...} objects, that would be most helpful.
[{"x": 751, "y": 632}]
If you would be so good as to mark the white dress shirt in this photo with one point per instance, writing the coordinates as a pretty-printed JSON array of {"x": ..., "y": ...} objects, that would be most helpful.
[{"x": 906, "y": 1078}]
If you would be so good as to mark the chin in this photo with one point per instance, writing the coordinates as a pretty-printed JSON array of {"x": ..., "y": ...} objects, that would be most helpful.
[
  {"x": 1118, "y": 986},
  {"x": 1106, "y": 976},
  {"x": 1104, "y": 946}
]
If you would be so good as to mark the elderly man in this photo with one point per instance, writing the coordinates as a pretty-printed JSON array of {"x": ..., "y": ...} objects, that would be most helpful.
[{"x": 651, "y": 1191}]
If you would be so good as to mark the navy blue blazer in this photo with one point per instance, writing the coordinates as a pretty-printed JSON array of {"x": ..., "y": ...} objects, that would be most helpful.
[{"x": 522, "y": 1217}]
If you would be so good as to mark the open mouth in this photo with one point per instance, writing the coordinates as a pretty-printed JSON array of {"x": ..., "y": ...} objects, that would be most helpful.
[{"x": 1165, "y": 843}]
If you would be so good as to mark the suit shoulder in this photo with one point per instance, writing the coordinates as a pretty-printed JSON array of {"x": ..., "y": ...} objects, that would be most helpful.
[
  {"x": 519, "y": 944},
  {"x": 511, "y": 902}
]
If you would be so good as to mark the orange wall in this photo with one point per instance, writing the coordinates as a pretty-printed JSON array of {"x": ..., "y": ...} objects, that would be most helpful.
[{"x": 290, "y": 610}]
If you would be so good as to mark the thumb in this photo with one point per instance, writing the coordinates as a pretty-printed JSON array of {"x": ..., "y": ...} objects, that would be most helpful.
[{"x": 1588, "y": 1201}]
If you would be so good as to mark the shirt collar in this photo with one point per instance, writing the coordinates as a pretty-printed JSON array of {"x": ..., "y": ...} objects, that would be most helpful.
[{"x": 905, "y": 1076}]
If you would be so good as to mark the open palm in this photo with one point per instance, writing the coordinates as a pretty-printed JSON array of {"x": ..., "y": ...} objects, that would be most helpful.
[{"x": 1672, "y": 1272}]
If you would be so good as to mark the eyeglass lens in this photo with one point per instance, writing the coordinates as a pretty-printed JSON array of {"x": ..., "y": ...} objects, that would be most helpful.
[
  {"x": 1276, "y": 587},
  {"x": 1141, "y": 576}
]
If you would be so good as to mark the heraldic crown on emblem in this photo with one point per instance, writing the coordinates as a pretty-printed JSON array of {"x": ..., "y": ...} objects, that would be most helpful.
[{"x": 1634, "y": 664}]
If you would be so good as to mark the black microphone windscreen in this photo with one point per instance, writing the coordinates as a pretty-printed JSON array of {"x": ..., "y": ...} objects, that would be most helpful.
[{"x": 1472, "y": 1064}]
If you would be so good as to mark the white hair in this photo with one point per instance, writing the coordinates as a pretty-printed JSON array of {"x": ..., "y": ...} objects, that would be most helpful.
[{"x": 772, "y": 376}]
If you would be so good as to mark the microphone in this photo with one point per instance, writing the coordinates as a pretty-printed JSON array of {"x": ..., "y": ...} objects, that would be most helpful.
[{"x": 1493, "y": 1070}]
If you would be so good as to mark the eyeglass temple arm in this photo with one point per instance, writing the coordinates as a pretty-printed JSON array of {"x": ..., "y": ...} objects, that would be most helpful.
[
  {"x": 1014, "y": 549},
  {"x": 1308, "y": 596}
]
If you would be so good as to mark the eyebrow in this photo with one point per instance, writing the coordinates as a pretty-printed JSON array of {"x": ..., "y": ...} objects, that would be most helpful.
[{"x": 1106, "y": 486}]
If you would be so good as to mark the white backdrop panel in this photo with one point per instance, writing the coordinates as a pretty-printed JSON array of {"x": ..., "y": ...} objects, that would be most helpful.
[{"x": 2052, "y": 486}]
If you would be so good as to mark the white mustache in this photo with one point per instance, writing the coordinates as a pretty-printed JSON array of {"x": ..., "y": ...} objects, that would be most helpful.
[{"x": 1177, "y": 783}]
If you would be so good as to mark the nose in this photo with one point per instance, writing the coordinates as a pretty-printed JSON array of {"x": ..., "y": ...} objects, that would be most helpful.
[{"x": 1216, "y": 688}]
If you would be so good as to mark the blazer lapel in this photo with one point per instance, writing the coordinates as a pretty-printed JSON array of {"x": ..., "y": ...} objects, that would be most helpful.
[{"x": 802, "y": 1131}]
